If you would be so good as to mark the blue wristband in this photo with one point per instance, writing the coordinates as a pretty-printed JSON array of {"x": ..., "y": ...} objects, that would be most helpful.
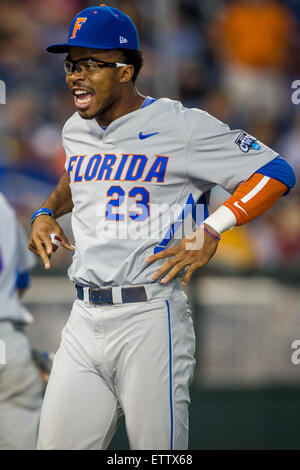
[
  {"x": 23, "y": 280},
  {"x": 42, "y": 211}
]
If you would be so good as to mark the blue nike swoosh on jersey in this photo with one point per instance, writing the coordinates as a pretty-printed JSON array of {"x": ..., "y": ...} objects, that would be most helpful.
[{"x": 145, "y": 136}]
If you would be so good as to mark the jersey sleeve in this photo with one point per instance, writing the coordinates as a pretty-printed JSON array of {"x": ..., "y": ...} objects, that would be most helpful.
[
  {"x": 218, "y": 155},
  {"x": 26, "y": 259},
  {"x": 280, "y": 170}
]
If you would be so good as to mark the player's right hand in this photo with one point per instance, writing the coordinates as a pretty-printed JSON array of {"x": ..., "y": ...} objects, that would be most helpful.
[{"x": 40, "y": 239}]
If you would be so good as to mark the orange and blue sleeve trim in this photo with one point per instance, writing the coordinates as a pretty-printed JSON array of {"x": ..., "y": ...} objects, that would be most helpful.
[
  {"x": 256, "y": 195},
  {"x": 280, "y": 170}
]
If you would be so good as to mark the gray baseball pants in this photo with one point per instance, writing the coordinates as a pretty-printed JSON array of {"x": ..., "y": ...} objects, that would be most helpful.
[
  {"x": 21, "y": 392},
  {"x": 134, "y": 359}
]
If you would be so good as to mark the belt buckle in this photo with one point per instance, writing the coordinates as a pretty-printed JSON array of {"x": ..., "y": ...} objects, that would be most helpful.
[{"x": 100, "y": 296}]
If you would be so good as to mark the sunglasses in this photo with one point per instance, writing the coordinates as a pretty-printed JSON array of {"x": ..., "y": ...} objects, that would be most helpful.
[{"x": 88, "y": 65}]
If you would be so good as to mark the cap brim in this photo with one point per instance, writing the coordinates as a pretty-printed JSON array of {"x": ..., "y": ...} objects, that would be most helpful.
[
  {"x": 58, "y": 48},
  {"x": 64, "y": 48}
]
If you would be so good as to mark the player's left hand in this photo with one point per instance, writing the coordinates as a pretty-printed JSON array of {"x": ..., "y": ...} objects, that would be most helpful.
[{"x": 193, "y": 252}]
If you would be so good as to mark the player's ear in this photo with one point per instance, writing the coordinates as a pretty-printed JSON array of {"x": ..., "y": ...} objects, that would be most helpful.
[{"x": 126, "y": 73}]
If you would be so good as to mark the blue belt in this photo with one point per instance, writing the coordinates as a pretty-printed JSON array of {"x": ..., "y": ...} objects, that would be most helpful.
[{"x": 100, "y": 296}]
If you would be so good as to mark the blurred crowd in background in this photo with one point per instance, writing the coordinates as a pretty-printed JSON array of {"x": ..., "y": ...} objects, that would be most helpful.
[{"x": 235, "y": 59}]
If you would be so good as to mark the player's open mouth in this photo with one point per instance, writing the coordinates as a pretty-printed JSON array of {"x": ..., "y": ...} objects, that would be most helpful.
[{"x": 82, "y": 98}]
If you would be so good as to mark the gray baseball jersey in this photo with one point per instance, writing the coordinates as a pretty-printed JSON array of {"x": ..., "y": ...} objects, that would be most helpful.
[
  {"x": 14, "y": 258},
  {"x": 21, "y": 384},
  {"x": 134, "y": 185},
  {"x": 147, "y": 166}
]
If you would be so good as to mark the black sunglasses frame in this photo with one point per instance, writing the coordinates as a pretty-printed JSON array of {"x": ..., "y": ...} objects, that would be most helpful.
[{"x": 100, "y": 63}]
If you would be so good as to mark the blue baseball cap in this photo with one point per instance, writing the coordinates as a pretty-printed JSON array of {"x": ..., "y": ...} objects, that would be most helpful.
[{"x": 100, "y": 27}]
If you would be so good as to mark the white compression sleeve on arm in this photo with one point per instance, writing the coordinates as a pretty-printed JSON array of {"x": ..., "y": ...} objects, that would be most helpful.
[{"x": 221, "y": 220}]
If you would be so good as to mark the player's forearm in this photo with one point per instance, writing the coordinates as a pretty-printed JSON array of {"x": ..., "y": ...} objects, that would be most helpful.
[
  {"x": 250, "y": 200},
  {"x": 60, "y": 200},
  {"x": 21, "y": 292}
]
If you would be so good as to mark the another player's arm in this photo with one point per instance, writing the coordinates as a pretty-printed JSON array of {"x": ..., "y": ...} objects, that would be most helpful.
[
  {"x": 23, "y": 283},
  {"x": 60, "y": 203},
  {"x": 251, "y": 199}
]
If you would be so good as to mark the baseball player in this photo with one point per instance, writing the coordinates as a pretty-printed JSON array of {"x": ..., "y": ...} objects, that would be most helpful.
[
  {"x": 21, "y": 386},
  {"x": 137, "y": 168}
]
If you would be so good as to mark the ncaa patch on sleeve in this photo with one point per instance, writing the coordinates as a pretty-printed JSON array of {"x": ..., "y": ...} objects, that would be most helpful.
[{"x": 246, "y": 142}]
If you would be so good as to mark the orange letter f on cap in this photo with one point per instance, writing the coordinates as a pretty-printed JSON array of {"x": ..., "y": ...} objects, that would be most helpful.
[{"x": 77, "y": 26}]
